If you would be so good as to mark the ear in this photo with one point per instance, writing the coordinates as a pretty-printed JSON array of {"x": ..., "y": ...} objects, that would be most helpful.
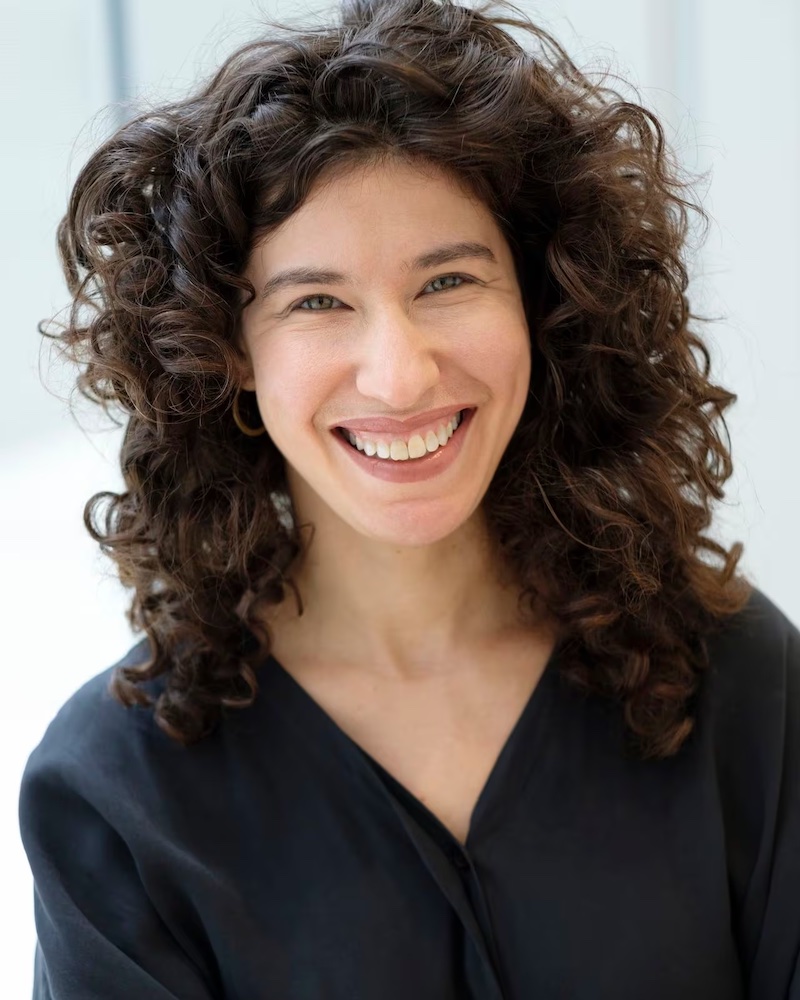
[{"x": 245, "y": 377}]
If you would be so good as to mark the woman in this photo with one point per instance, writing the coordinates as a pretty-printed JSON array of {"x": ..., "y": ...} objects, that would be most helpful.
[{"x": 438, "y": 697}]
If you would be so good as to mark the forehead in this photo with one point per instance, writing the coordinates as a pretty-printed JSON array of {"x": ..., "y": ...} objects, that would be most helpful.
[{"x": 390, "y": 208}]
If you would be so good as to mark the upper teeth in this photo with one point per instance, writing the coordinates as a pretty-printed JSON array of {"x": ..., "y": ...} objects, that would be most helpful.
[{"x": 399, "y": 449}]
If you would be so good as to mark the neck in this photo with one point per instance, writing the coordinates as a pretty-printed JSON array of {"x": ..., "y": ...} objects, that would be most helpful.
[{"x": 399, "y": 612}]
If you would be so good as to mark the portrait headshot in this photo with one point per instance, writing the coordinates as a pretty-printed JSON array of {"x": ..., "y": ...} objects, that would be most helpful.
[{"x": 439, "y": 673}]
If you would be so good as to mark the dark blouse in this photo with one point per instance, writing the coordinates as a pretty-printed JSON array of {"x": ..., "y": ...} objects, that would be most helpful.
[{"x": 276, "y": 860}]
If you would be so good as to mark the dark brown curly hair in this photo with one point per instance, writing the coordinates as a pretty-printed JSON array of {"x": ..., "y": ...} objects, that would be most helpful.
[{"x": 600, "y": 501}]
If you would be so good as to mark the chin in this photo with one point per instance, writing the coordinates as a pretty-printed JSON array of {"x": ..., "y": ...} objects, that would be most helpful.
[{"x": 404, "y": 527}]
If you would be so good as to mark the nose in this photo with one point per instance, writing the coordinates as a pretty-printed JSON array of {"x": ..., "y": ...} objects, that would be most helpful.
[{"x": 398, "y": 362}]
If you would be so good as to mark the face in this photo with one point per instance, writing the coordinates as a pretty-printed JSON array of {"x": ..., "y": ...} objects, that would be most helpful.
[{"x": 393, "y": 336}]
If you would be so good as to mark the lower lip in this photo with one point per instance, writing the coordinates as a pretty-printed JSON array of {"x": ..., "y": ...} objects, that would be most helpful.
[{"x": 413, "y": 470}]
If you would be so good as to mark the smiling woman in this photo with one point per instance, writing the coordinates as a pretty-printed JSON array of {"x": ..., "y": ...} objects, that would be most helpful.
[
  {"x": 397, "y": 339},
  {"x": 444, "y": 690}
]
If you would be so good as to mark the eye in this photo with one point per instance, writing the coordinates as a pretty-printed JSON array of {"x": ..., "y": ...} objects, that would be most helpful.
[
  {"x": 446, "y": 277},
  {"x": 312, "y": 298},
  {"x": 319, "y": 295}
]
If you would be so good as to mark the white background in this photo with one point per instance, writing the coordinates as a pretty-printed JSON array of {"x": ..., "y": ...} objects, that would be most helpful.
[{"x": 728, "y": 87}]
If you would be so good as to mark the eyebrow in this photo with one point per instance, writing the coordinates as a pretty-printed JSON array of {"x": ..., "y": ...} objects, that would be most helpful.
[{"x": 432, "y": 258}]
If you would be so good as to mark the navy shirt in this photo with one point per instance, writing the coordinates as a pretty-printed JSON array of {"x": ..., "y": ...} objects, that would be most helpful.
[{"x": 276, "y": 860}]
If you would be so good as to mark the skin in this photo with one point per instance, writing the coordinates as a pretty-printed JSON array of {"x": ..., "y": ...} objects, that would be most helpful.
[{"x": 399, "y": 579}]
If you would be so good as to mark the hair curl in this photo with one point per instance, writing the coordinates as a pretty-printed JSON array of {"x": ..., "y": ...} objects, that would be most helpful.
[{"x": 605, "y": 488}]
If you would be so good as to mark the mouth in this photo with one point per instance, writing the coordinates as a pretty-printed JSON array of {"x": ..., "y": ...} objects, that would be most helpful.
[{"x": 462, "y": 415}]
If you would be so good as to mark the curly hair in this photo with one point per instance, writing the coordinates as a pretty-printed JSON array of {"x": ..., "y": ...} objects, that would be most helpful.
[{"x": 600, "y": 501}]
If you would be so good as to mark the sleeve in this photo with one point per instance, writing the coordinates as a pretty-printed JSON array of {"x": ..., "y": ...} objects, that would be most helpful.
[
  {"x": 771, "y": 905},
  {"x": 98, "y": 934}
]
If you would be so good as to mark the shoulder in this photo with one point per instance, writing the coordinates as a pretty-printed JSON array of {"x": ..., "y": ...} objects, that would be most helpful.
[
  {"x": 100, "y": 802},
  {"x": 749, "y": 721},
  {"x": 754, "y": 663},
  {"x": 760, "y": 626},
  {"x": 749, "y": 724},
  {"x": 102, "y": 776},
  {"x": 94, "y": 743},
  {"x": 92, "y": 712}
]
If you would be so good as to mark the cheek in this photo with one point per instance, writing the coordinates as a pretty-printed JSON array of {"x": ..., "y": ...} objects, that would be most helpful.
[
  {"x": 292, "y": 385},
  {"x": 503, "y": 360}
]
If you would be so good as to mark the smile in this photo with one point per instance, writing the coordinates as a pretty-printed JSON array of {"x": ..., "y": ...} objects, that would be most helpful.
[
  {"x": 404, "y": 461},
  {"x": 400, "y": 449}
]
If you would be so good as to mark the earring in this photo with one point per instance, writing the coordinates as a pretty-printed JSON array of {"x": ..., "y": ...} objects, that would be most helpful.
[{"x": 249, "y": 431}]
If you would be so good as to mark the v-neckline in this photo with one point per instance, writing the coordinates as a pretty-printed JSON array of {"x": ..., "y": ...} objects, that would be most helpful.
[{"x": 501, "y": 775}]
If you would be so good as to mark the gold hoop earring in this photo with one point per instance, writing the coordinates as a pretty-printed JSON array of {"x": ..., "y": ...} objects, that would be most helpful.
[{"x": 237, "y": 417}]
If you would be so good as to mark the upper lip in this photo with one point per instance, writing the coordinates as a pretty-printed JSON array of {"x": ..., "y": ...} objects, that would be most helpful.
[{"x": 386, "y": 425}]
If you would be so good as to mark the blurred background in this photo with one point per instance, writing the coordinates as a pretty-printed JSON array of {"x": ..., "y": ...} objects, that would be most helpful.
[{"x": 723, "y": 75}]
